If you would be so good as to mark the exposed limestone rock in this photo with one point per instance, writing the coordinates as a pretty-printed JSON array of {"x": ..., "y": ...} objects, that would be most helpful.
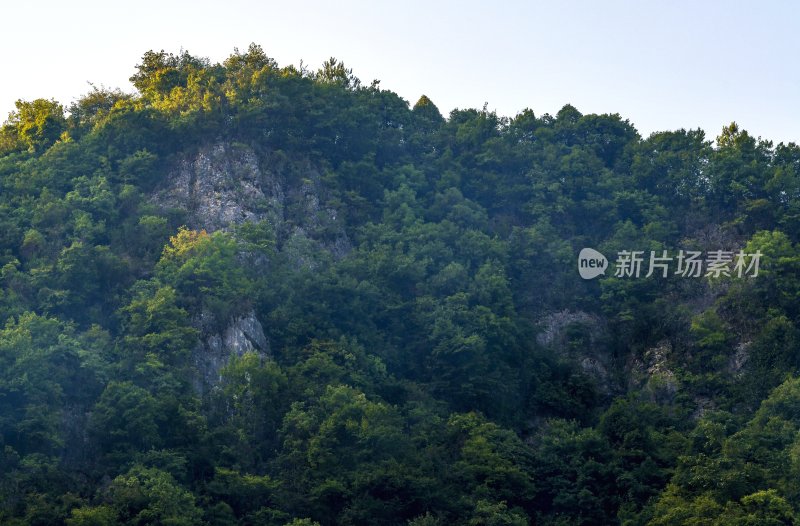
[
  {"x": 652, "y": 373},
  {"x": 739, "y": 359},
  {"x": 244, "y": 334},
  {"x": 223, "y": 185}
]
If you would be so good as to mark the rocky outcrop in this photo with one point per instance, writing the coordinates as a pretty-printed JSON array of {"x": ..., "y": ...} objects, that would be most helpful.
[
  {"x": 244, "y": 334},
  {"x": 581, "y": 338},
  {"x": 738, "y": 359},
  {"x": 652, "y": 373},
  {"x": 226, "y": 184},
  {"x": 221, "y": 186}
]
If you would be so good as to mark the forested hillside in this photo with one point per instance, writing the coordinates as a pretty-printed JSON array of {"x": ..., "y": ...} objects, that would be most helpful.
[{"x": 250, "y": 294}]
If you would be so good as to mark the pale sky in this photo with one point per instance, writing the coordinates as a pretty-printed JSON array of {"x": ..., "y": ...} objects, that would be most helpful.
[{"x": 662, "y": 65}]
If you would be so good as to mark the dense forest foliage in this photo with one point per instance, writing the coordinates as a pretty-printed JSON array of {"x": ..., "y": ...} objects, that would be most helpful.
[{"x": 444, "y": 365}]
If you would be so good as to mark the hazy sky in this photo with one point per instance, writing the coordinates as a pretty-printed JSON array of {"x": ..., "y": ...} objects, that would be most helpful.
[{"x": 662, "y": 65}]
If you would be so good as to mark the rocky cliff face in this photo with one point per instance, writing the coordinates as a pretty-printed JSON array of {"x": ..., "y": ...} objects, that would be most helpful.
[
  {"x": 243, "y": 334},
  {"x": 226, "y": 184},
  {"x": 582, "y": 338},
  {"x": 651, "y": 373},
  {"x": 221, "y": 186}
]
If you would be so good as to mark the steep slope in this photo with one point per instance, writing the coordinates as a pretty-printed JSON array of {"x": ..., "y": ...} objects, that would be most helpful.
[{"x": 253, "y": 294}]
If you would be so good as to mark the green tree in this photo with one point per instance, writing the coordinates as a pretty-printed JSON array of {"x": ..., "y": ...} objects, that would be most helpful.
[{"x": 37, "y": 124}]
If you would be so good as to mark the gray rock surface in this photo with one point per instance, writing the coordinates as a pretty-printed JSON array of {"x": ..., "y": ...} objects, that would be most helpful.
[
  {"x": 223, "y": 185},
  {"x": 652, "y": 373},
  {"x": 244, "y": 334},
  {"x": 739, "y": 358}
]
